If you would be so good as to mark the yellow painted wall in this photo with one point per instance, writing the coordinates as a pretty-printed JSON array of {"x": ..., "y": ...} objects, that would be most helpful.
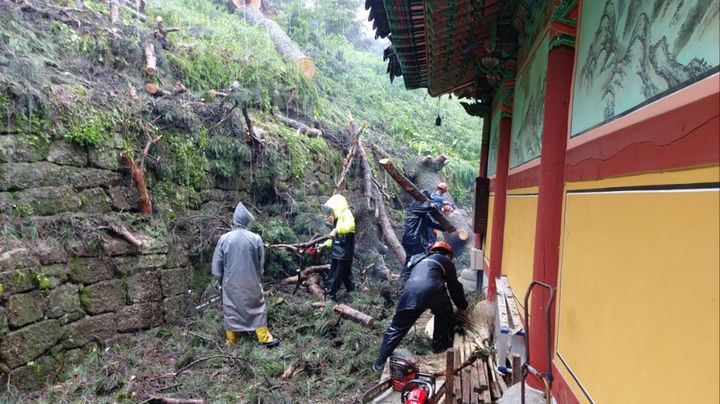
[
  {"x": 488, "y": 238},
  {"x": 519, "y": 245},
  {"x": 638, "y": 314}
]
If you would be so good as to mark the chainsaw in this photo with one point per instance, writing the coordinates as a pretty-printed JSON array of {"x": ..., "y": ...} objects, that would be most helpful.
[{"x": 405, "y": 377}]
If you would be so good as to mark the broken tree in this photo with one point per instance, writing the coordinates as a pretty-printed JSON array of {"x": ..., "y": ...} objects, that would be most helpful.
[
  {"x": 425, "y": 176},
  {"x": 284, "y": 45},
  {"x": 457, "y": 237},
  {"x": 137, "y": 171}
]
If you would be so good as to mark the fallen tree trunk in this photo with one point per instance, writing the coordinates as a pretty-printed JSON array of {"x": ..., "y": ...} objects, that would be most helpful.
[
  {"x": 305, "y": 273},
  {"x": 301, "y": 127},
  {"x": 354, "y": 315},
  {"x": 375, "y": 201},
  {"x": 285, "y": 46},
  {"x": 408, "y": 186},
  {"x": 150, "y": 59}
]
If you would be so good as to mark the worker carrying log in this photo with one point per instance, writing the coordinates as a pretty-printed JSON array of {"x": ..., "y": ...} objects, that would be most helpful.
[
  {"x": 341, "y": 245},
  {"x": 237, "y": 267},
  {"x": 432, "y": 277},
  {"x": 417, "y": 227},
  {"x": 444, "y": 206}
]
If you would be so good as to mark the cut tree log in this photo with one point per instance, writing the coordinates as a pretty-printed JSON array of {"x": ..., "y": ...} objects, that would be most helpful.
[
  {"x": 285, "y": 46},
  {"x": 238, "y": 4},
  {"x": 124, "y": 233},
  {"x": 313, "y": 286},
  {"x": 301, "y": 127},
  {"x": 408, "y": 186},
  {"x": 354, "y": 315},
  {"x": 154, "y": 90},
  {"x": 150, "y": 59},
  {"x": 317, "y": 269}
]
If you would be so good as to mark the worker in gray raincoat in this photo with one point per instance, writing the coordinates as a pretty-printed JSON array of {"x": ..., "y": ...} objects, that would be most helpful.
[{"x": 237, "y": 266}]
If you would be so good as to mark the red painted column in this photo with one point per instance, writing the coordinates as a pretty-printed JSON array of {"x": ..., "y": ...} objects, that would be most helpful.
[
  {"x": 482, "y": 170},
  {"x": 550, "y": 202},
  {"x": 498, "y": 220}
]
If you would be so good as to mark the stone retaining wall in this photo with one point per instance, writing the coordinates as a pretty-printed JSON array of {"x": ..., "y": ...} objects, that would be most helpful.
[{"x": 62, "y": 289}]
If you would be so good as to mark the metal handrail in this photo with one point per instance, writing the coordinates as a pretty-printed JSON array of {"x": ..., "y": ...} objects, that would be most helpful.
[{"x": 546, "y": 378}]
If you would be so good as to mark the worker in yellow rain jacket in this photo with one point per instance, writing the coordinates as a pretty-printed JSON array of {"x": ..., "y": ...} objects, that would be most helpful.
[{"x": 341, "y": 245}]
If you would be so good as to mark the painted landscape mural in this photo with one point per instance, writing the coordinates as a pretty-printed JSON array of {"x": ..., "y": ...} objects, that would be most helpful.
[
  {"x": 528, "y": 107},
  {"x": 634, "y": 51},
  {"x": 494, "y": 141}
]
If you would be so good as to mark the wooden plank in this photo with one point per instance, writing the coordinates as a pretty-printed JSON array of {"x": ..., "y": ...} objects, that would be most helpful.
[
  {"x": 517, "y": 324},
  {"x": 492, "y": 383},
  {"x": 502, "y": 306},
  {"x": 466, "y": 386},
  {"x": 484, "y": 382},
  {"x": 475, "y": 387},
  {"x": 457, "y": 384},
  {"x": 449, "y": 379}
]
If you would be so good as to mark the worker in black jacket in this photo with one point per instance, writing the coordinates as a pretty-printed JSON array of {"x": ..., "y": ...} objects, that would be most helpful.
[
  {"x": 431, "y": 278},
  {"x": 418, "y": 220}
]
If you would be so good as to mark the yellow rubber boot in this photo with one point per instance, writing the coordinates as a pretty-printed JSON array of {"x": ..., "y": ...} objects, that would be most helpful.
[
  {"x": 230, "y": 337},
  {"x": 265, "y": 338}
]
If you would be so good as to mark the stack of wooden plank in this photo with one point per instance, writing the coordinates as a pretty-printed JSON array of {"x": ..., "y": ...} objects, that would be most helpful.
[{"x": 477, "y": 383}]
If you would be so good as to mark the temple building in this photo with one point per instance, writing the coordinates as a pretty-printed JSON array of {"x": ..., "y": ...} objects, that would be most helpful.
[{"x": 601, "y": 151}]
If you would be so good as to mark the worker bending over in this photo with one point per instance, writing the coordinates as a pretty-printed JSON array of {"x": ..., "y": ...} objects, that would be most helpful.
[{"x": 431, "y": 278}]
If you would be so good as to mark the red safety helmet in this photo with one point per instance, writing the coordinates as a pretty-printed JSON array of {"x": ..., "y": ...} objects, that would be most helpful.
[
  {"x": 441, "y": 245},
  {"x": 442, "y": 186}
]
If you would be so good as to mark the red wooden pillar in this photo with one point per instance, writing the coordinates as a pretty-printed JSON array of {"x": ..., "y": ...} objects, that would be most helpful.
[
  {"x": 498, "y": 224},
  {"x": 550, "y": 200},
  {"x": 482, "y": 170}
]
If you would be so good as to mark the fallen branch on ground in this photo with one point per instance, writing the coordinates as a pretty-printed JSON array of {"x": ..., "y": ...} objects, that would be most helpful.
[
  {"x": 354, "y": 315},
  {"x": 301, "y": 127},
  {"x": 313, "y": 286},
  {"x": 124, "y": 233}
]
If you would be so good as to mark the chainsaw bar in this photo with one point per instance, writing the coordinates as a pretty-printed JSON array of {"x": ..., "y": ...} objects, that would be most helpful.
[{"x": 376, "y": 390}]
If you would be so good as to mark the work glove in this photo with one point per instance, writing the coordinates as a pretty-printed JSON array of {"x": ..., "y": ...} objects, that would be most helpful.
[{"x": 333, "y": 233}]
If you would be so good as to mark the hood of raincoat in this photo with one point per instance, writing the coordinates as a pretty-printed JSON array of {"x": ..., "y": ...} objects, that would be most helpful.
[
  {"x": 337, "y": 203},
  {"x": 242, "y": 218}
]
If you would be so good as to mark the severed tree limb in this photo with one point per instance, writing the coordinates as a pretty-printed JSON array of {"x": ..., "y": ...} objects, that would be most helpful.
[
  {"x": 347, "y": 162},
  {"x": 155, "y": 90},
  {"x": 124, "y": 233},
  {"x": 137, "y": 171},
  {"x": 301, "y": 127},
  {"x": 317, "y": 269},
  {"x": 367, "y": 177},
  {"x": 169, "y": 400},
  {"x": 289, "y": 372},
  {"x": 253, "y": 136},
  {"x": 150, "y": 59},
  {"x": 408, "y": 186},
  {"x": 354, "y": 315},
  {"x": 300, "y": 246}
]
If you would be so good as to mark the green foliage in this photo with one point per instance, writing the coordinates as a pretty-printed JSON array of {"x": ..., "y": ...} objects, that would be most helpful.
[
  {"x": 185, "y": 162},
  {"x": 43, "y": 282},
  {"x": 215, "y": 49},
  {"x": 89, "y": 131},
  {"x": 227, "y": 156}
]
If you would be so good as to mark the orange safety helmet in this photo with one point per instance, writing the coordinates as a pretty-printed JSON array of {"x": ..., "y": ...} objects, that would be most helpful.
[
  {"x": 442, "y": 186},
  {"x": 441, "y": 245}
]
